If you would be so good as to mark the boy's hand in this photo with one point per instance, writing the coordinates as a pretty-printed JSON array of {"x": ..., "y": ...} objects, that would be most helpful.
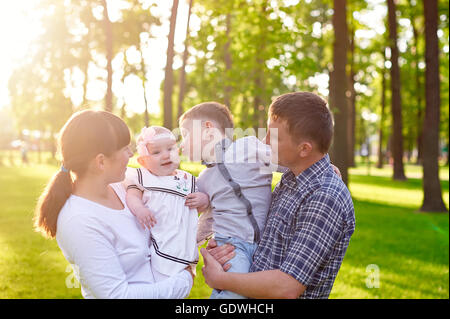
[
  {"x": 145, "y": 218},
  {"x": 197, "y": 200},
  {"x": 337, "y": 171}
]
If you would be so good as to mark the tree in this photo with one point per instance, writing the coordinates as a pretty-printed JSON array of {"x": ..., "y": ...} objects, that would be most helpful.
[
  {"x": 109, "y": 56},
  {"x": 432, "y": 200},
  {"x": 227, "y": 58},
  {"x": 419, "y": 140},
  {"x": 396, "y": 102},
  {"x": 382, "y": 116},
  {"x": 338, "y": 88},
  {"x": 231, "y": 49},
  {"x": 35, "y": 87},
  {"x": 182, "y": 84},
  {"x": 259, "y": 83},
  {"x": 132, "y": 31},
  {"x": 352, "y": 102},
  {"x": 168, "y": 78},
  {"x": 355, "y": 56}
]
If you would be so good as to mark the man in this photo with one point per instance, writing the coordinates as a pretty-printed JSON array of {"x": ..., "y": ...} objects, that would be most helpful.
[{"x": 311, "y": 217}]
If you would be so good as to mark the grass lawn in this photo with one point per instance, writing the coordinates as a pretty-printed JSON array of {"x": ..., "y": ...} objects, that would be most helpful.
[{"x": 410, "y": 249}]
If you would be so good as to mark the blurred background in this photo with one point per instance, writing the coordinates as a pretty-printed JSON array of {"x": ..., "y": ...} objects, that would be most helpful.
[{"x": 382, "y": 65}]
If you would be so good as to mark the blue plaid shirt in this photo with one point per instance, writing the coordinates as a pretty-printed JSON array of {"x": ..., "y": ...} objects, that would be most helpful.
[{"x": 308, "y": 229}]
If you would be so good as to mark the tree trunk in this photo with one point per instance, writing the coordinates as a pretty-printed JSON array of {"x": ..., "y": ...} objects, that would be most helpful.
[
  {"x": 258, "y": 102},
  {"x": 380, "y": 130},
  {"x": 144, "y": 86},
  {"x": 85, "y": 82},
  {"x": 338, "y": 88},
  {"x": 86, "y": 57},
  {"x": 432, "y": 201},
  {"x": 168, "y": 78},
  {"x": 399, "y": 173},
  {"x": 183, "y": 68},
  {"x": 352, "y": 103},
  {"x": 227, "y": 58},
  {"x": 245, "y": 112},
  {"x": 109, "y": 55},
  {"x": 419, "y": 140},
  {"x": 418, "y": 93},
  {"x": 124, "y": 75}
]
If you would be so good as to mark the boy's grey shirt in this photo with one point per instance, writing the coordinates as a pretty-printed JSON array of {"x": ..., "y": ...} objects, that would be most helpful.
[{"x": 248, "y": 162}]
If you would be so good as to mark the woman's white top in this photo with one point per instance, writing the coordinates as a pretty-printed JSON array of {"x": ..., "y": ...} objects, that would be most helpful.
[
  {"x": 109, "y": 252},
  {"x": 174, "y": 235}
]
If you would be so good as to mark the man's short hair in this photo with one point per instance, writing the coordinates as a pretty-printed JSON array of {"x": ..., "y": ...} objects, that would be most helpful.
[
  {"x": 306, "y": 115},
  {"x": 214, "y": 111}
]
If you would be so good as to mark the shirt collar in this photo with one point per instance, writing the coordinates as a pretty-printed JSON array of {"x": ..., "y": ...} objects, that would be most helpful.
[
  {"x": 308, "y": 175},
  {"x": 220, "y": 149}
]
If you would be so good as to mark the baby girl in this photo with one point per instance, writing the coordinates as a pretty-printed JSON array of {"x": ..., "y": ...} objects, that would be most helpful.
[{"x": 164, "y": 199}]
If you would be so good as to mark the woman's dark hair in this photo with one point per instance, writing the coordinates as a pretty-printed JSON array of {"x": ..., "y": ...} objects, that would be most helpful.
[
  {"x": 306, "y": 115},
  {"x": 85, "y": 135}
]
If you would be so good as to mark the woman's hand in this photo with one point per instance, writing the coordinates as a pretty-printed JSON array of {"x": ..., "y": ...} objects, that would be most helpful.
[
  {"x": 222, "y": 254},
  {"x": 197, "y": 200}
]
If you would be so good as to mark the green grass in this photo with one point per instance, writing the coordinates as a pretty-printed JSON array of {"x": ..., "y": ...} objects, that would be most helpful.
[{"x": 411, "y": 249}]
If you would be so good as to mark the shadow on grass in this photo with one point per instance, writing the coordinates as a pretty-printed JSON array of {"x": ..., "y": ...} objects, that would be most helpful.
[
  {"x": 410, "y": 183},
  {"x": 410, "y": 249}
]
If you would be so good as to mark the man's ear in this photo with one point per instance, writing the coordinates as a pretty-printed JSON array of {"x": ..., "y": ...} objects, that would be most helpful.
[
  {"x": 209, "y": 124},
  {"x": 304, "y": 149}
]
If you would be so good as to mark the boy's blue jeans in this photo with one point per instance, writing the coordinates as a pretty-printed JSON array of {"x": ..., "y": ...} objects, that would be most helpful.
[{"x": 241, "y": 262}]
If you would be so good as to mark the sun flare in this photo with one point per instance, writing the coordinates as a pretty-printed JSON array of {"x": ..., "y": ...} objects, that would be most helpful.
[{"x": 19, "y": 26}]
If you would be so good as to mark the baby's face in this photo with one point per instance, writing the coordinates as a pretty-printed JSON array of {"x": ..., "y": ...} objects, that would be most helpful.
[{"x": 163, "y": 157}]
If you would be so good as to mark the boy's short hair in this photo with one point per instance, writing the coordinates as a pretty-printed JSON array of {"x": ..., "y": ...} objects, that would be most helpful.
[
  {"x": 214, "y": 111},
  {"x": 307, "y": 116}
]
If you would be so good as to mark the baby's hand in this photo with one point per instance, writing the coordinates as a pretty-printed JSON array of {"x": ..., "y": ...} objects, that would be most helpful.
[
  {"x": 145, "y": 218},
  {"x": 197, "y": 200}
]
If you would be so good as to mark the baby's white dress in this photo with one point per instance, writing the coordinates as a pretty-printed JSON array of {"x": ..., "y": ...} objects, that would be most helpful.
[{"x": 173, "y": 238}]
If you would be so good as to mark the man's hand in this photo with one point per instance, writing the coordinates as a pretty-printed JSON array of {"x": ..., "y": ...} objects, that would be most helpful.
[
  {"x": 212, "y": 270},
  {"x": 145, "y": 218},
  {"x": 197, "y": 200},
  {"x": 222, "y": 254}
]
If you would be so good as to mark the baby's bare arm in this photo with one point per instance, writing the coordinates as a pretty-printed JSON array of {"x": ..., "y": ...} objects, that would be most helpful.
[{"x": 137, "y": 207}]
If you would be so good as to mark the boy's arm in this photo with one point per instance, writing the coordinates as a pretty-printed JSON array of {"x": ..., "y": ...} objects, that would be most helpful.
[
  {"x": 137, "y": 207},
  {"x": 269, "y": 284}
]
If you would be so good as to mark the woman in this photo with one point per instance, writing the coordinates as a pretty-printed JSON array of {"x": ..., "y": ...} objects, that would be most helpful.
[{"x": 93, "y": 226}]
